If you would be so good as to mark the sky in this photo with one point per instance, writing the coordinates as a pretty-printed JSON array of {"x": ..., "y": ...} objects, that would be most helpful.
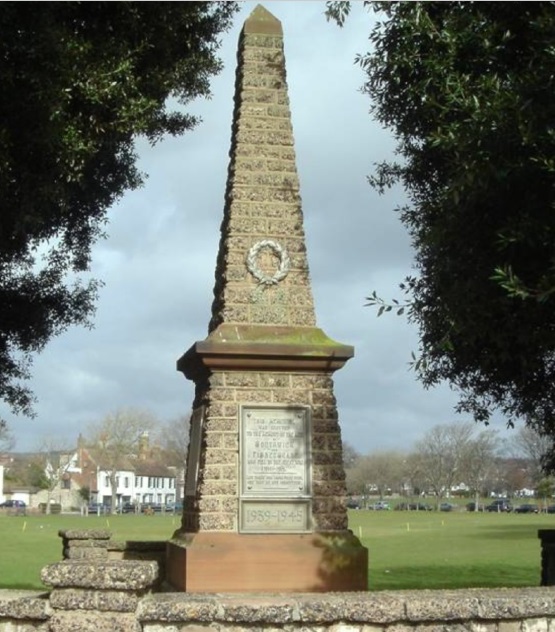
[{"x": 158, "y": 261}]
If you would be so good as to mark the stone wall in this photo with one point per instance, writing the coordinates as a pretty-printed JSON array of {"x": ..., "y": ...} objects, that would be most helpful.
[
  {"x": 100, "y": 609},
  {"x": 217, "y": 501}
]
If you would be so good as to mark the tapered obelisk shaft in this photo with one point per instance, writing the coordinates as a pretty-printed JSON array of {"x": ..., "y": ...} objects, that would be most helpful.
[{"x": 265, "y": 483}]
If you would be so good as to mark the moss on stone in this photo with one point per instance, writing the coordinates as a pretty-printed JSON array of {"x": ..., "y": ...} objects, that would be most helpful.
[{"x": 268, "y": 334}]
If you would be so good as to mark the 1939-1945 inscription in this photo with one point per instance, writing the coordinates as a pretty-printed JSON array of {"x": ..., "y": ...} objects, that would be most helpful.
[{"x": 275, "y": 468}]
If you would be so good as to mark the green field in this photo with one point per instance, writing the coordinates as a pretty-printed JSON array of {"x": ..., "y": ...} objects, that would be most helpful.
[
  {"x": 406, "y": 549},
  {"x": 458, "y": 549},
  {"x": 30, "y": 542}
]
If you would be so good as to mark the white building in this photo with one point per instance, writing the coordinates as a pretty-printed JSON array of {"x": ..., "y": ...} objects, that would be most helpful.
[{"x": 142, "y": 483}]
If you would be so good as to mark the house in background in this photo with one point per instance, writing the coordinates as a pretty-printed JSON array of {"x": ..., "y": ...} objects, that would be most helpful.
[
  {"x": 76, "y": 478},
  {"x": 155, "y": 484}
]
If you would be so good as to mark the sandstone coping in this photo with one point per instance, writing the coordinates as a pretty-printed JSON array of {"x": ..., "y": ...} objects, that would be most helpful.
[
  {"x": 387, "y": 607},
  {"x": 24, "y": 604},
  {"x": 85, "y": 534},
  {"x": 104, "y": 575}
]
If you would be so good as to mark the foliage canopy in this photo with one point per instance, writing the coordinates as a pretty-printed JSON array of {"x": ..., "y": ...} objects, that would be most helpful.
[
  {"x": 80, "y": 80},
  {"x": 467, "y": 89}
]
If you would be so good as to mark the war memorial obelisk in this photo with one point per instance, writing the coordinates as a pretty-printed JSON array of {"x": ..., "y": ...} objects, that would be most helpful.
[{"x": 264, "y": 503}]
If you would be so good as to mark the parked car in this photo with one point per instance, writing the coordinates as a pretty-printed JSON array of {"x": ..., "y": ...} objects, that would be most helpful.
[
  {"x": 550, "y": 509},
  {"x": 353, "y": 504},
  {"x": 446, "y": 507},
  {"x": 501, "y": 505},
  {"x": 17, "y": 507},
  {"x": 472, "y": 507},
  {"x": 381, "y": 505},
  {"x": 526, "y": 508},
  {"x": 97, "y": 508},
  {"x": 13, "y": 504},
  {"x": 128, "y": 508},
  {"x": 413, "y": 507}
]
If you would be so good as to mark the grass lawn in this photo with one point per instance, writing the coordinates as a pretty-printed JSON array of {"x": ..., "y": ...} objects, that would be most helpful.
[
  {"x": 31, "y": 542},
  {"x": 406, "y": 549},
  {"x": 457, "y": 549}
]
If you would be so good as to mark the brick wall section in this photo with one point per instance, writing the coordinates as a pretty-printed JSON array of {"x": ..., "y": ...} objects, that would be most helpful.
[
  {"x": 217, "y": 500},
  {"x": 263, "y": 201}
]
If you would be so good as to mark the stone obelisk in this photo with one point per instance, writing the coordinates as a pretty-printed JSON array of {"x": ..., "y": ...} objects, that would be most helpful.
[{"x": 264, "y": 503}]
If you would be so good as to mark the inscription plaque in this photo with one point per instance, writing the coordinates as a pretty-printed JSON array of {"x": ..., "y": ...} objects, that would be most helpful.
[
  {"x": 275, "y": 447},
  {"x": 258, "y": 516}
]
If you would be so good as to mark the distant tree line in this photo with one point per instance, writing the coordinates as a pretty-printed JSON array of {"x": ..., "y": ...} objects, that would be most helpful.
[{"x": 453, "y": 459}]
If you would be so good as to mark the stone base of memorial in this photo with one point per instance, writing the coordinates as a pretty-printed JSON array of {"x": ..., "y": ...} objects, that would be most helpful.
[
  {"x": 278, "y": 522},
  {"x": 236, "y": 562}
]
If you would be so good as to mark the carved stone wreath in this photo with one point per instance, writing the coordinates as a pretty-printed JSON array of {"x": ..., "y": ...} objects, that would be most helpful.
[{"x": 281, "y": 254}]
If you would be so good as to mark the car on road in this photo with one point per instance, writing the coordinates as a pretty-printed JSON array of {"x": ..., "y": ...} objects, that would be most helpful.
[
  {"x": 413, "y": 507},
  {"x": 13, "y": 504},
  {"x": 500, "y": 505},
  {"x": 155, "y": 508},
  {"x": 526, "y": 508}
]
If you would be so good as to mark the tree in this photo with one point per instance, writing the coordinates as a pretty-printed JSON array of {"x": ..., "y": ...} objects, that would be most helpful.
[
  {"x": 54, "y": 460},
  {"x": 380, "y": 473},
  {"x": 467, "y": 90},
  {"x": 173, "y": 439},
  {"x": 115, "y": 440},
  {"x": 7, "y": 440},
  {"x": 80, "y": 81},
  {"x": 414, "y": 481},
  {"x": 441, "y": 455},
  {"x": 479, "y": 460},
  {"x": 545, "y": 489},
  {"x": 534, "y": 447},
  {"x": 350, "y": 455}
]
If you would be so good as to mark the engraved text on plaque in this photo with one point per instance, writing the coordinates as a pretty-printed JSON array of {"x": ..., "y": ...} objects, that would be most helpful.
[
  {"x": 275, "y": 469},
  {"x": 274, "y": 454}
]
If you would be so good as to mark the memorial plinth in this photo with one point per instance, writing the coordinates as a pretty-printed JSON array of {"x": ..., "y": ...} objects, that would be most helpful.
[{"x": 264, "y": 506}]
